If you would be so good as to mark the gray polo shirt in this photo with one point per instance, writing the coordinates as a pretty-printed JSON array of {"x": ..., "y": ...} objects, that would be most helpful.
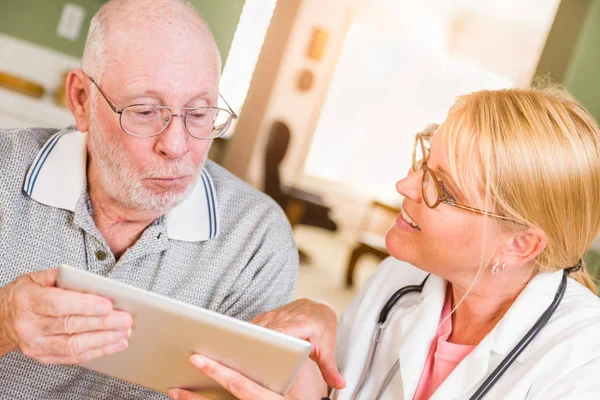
[{"x": 227, "y": 247}]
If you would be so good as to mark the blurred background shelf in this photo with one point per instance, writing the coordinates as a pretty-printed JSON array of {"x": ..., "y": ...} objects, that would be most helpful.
[{"x": 18, "y": 110}]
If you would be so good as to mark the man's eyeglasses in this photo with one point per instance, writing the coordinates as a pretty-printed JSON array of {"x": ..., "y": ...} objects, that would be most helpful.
[
  {"x": 148, "y": 120},
  {"x": 433, "y": 190}
]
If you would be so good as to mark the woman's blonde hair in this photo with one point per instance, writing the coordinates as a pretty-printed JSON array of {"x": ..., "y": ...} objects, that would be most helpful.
[{"x": 539, "y": 153}]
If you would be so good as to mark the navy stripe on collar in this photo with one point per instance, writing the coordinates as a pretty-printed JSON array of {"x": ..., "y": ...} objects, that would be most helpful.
[
  {"x": 210, "y": 200},
  {"x": 33, "y": 174}
]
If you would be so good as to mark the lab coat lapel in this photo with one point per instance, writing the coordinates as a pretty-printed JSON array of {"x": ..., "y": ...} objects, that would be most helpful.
[
  {"x": 416, "y": 332},
  {"x": 520, "y": 317},
  {"x": 471, "y": 370}
]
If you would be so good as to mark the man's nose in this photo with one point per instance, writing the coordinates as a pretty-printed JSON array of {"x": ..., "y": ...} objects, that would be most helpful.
[{"x": 174, "y": 141}]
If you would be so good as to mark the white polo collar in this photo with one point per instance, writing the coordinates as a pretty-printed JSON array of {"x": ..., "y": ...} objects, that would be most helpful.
[{"x": 57, "y": 178}]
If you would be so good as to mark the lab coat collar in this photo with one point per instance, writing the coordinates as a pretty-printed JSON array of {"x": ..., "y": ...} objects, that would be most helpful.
[
  {"x": 521, "y": 316},
  {"x": 57, "y": 178}
]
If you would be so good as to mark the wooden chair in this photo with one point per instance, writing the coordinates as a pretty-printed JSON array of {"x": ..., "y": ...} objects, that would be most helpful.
[
  {"x": 368, "y": 242},
  {"x": 300, "y": 206}
]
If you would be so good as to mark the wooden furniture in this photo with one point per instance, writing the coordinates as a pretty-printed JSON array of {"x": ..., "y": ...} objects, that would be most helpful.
[
  {"x": 370, "y": 242},
  {"x": 21, "y": 85},
  {"x": 301, "y": 207}
]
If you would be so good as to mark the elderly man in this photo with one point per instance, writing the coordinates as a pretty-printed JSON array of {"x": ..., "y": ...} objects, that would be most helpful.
[{"x": 128, "y": 194}]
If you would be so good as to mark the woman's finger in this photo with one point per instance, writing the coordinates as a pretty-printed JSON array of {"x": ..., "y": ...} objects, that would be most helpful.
[
  {"x": 232, "y": 381},
  {"x": 179, "y": 394}
]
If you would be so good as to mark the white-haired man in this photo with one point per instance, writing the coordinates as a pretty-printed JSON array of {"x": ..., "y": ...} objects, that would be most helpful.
[{"x": 128, "y": 194}]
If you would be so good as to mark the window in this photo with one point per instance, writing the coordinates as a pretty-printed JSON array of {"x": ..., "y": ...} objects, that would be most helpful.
[
  {"x": 245, "y": 48},
  {"x": 402, "y": 65}
]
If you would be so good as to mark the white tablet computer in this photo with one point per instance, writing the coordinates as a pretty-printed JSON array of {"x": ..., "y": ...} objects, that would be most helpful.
[{"x": 166, "y": 332}]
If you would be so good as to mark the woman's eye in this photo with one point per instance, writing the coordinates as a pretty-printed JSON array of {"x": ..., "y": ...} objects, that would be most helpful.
[{"x": 448, "y": 195}]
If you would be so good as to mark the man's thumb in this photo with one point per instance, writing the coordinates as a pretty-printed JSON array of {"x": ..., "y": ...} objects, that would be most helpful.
[{"x": 328, "y": 367}]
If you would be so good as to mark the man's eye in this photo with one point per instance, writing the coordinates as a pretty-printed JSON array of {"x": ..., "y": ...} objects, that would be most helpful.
[
  {"x": 197, "y": 115},
  {"x": 146, "y": 112}
]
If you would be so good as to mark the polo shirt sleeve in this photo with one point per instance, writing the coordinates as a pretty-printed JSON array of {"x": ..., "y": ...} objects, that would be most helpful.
[{"x": 268, "y": 280}]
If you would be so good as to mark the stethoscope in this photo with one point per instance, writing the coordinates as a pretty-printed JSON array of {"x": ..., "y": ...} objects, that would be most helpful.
[{"x": 491, "y": 379}]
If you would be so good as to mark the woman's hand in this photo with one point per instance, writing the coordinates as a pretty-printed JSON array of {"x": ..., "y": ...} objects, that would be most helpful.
[
  {"x": 314, "y": 322},
  {"x": 232, "y": 381}
]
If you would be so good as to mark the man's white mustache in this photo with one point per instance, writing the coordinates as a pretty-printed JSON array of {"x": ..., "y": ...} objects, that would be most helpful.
[{"x": 169, "y": 172}]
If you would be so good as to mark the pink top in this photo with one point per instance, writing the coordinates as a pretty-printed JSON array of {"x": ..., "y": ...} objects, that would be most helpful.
[{"x": 443, "y": 356}]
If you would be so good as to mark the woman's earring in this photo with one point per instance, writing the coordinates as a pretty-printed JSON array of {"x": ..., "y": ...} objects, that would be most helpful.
[{"x": 496, "y": 270}]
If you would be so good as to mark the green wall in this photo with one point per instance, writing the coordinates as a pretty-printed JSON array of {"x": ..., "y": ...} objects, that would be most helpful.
[
  {"x": 222, "y": 16},
  {"x": 562, "y": 39},
  {"x": 571, "y": 55},
  {"x": 582, "y": 77},
  {"x": 36, "y": 21}
]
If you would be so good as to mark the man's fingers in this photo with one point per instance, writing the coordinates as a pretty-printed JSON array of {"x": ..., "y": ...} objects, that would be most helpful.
[
  {"x": 300, "y": 329},
  {"x": 78, "y": 344},
  {"x": 88, "y": 355},
  {"x": 232, "y": 381},
  {"x": 322, "y": 339},
  {"x": 55, "y": 302},
  {"x": 45, "y": 278},
  {"x": 102, "y": 351},
  {"x": 323, "y": 349},
  {"x": 330, "y": 373},
  {"x": 324, "y": 355},
  {"x": 71, "y": 324}
]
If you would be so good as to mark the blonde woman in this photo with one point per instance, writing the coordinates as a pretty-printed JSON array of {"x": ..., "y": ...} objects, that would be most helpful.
[{"x": 499, "y": 206}]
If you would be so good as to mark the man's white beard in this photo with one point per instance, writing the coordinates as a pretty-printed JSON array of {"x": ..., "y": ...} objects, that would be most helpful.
[{"x": 120, "y": 181}]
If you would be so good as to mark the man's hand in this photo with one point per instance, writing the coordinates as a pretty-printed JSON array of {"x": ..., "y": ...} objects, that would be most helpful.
[
  {"x": 56, "y": 326},
  {"x": 314, "y": 322},
  {"x": 304, "y": 319}
]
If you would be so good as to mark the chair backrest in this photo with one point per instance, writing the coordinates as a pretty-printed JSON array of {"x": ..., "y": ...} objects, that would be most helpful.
[
  {"x": 277, "y": 145},
  {"x": 377, "y": 218}
]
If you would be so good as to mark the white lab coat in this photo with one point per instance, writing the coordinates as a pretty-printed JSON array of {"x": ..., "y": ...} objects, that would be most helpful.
[{"x": 563, "y": 361}]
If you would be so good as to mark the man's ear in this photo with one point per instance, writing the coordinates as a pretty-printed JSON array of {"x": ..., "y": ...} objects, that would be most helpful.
[
  {"x": 78, "y": 96},
  {"x": 524, "y": 246}
]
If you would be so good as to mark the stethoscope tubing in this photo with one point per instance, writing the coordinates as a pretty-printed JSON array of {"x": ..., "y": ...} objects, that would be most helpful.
[
  {"x": 379, "y": 330},
  {"x": 523, "y": 343}
]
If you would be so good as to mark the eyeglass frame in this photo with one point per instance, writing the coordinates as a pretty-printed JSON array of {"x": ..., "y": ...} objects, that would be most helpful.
[
  {"x": 184, "y": 116},
  {"x": 442, "y": 198}
]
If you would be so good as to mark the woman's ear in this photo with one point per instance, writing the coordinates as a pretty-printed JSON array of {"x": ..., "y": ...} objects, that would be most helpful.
[
  {"x": 524, "y": 246},
  {"x": 78, "y": 95}
]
